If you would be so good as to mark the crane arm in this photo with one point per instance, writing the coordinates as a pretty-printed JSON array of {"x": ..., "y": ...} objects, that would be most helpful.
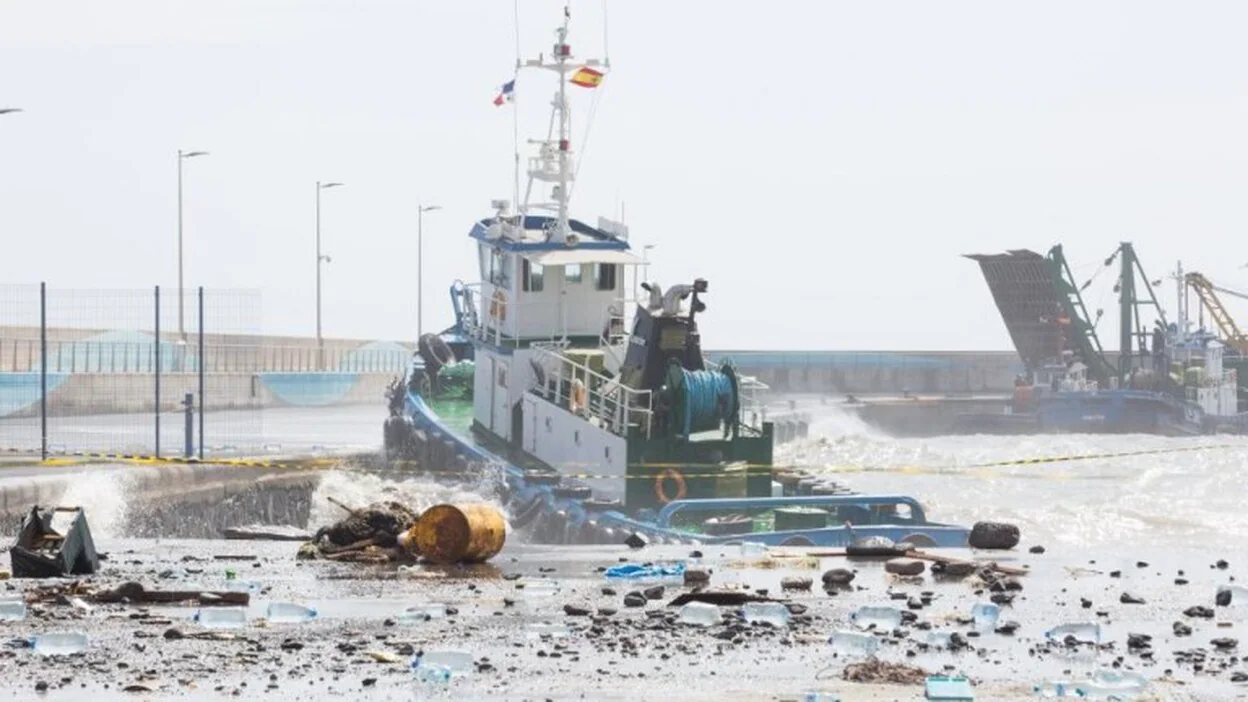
[{"x": 1207, "y": 292}]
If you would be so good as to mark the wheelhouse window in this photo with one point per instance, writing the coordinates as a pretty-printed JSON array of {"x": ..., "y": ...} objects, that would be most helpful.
[
  {"x": 533, "y": 276},
  {"x": 572, "y": 273},
  {"x": 499, "y": 267},
  {"x": 604, "y": 276}
]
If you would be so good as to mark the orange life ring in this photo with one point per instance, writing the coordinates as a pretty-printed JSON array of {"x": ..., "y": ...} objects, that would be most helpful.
[
  {"x": 498, "y": 305},
  {"x": 661, "y": 492},
  {"x": 577, "y": 401}
]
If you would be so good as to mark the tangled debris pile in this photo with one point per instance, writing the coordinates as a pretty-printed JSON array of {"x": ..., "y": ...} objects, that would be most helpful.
[
  {"x": 877, "y": 671},
  {"x": 368, "y": 535}
]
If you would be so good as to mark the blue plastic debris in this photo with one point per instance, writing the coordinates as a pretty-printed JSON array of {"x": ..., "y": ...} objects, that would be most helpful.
[
  {"x": 947, "y": 689},
  {"x": 654, "y": 570}
]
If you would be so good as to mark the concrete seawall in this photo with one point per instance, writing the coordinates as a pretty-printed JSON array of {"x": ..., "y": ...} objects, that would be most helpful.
[{"x": 187, "y": 501}]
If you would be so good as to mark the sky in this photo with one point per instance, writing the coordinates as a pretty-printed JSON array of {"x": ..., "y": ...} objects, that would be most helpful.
[{"x": 822, "y": 164}]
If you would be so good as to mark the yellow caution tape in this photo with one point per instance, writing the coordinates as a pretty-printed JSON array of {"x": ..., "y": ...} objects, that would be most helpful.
[{"x": 978, "y": 470}]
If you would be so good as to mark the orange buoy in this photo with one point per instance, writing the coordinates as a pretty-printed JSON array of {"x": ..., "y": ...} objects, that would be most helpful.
[{"x": 460, "y": 533}]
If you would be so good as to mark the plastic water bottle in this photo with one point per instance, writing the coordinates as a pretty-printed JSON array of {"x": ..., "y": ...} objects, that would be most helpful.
[
  {"x": 853, "y": 643},
  {"x": 752, "y": 549},
  {"x": 1084, "y": 632},
  {"x": 12, "y": 610},
  {"x": 819, "y": 696},
  {"x": 60, "y": 643},
  {"x": 289, "y": 613},
  {"x": 540, "y": 588},
  {"x": 881, "y": 618},
  {"x": 1124, "y": 681},
  {"x": 417, "y": 614},
  {"x": 772, "y": 613},
  {"x": 985, "y": 615},
  {"x": 700, "y": 614},
  {"x": 441, "y": 666},
  {"x": 242, "y": 586},
  {"x": 1056, "y": 688},
  {"x": 221, "y": 617},
  {"x": 537, "y": 630},
  {"x": 1233, "y": 595},
  {"x": 1090, "y": 690}
]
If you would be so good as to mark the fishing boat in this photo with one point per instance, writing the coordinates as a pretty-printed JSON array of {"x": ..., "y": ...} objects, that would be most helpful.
[
  {"x": 1071, "y": 385},
  {"x": 592, "y": 409}
]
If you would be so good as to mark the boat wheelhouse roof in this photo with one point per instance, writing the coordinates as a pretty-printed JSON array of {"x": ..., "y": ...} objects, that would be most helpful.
[{"x": 533, "y": 236}]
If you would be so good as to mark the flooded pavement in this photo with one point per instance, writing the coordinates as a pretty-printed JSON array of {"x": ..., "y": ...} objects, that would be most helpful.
[
  {"x": 1130, "y": 544},
  {"x": 602, "y": 644}
]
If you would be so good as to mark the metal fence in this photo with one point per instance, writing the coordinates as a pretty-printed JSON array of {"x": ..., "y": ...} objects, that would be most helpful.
[{"x": 127, "y": 371}]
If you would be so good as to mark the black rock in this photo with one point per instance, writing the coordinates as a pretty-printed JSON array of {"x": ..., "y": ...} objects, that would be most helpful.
[
  {"x": 1007, "y": 627},
  {"x": 291, "y": 645},
  {"x": 1128, "y": 598},
  {"x": 1003, "y": 599},
  {"x": 575, "y": 611},
  {"x": 993, "y": 535},
  {"x": 795, "y": 582},
  {"x": 1225, "y": 644},
  {"x": 368, "y": 682},
  {"x": 957, "y": 641},
  {"x": 609, "y": 591},
  {"x": 1199, "y": 611},
  {"x": 697, "y": 576},
  {"x": 636, "y": 540},
  {"x": 655, "y": 593},
  {"x": 795, "y": 608},
  {"x": 511, "y": 576},
  {"x": 1141, "y": 564},
  {"x": 1085, "y": 603},
  {"x": 1036, "y": 549},
  {"x": 914, "y": 603},
  {"x": 695, "y": 554},
  {"x": 1180, "y": 581},
  {"x": 1223, "y": 597},
  {"x": 634, "y": 599},
  {"x": 1239, "y": 677},
  {"x": 1221, "y": 564},
  {"x": 606, "y": 611},
  {"x": 1139, "y": 640},
  {"x": 41, "y": 686},
  {"x": 1181, "y": 629},
  {"x": 174, "y": 634},
  {"x": 1115, "y": 573}
]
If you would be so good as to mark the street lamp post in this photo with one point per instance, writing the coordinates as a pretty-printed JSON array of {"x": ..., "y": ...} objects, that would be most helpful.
[
  {"x": 420, "y": 265},
  {"x": 182, "y": 156},
  {"x": 320, "y": 342}
]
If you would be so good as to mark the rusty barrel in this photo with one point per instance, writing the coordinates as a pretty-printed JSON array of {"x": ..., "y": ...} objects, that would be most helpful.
[{"x": 460, "y": 533}]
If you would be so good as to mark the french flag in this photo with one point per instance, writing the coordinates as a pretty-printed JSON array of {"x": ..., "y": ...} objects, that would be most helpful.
[{"x": 508, "y": 91}]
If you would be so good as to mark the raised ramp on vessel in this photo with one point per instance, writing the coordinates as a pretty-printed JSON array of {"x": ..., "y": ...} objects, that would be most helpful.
[{"x": 1022, "y": 286}]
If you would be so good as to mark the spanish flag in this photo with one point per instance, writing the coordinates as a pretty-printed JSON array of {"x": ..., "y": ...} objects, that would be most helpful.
[{"x": 587, "y": 78}]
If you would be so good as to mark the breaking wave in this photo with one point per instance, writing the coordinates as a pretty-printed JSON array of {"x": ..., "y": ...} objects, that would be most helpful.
[
  {"x": 1165, "y": 499},
  {"x": 359, "y": 489},
  {"x": 103, "y": 493}
]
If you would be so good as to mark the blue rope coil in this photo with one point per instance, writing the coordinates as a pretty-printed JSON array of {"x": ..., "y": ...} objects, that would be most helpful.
[{"x": 708, "y": 400}]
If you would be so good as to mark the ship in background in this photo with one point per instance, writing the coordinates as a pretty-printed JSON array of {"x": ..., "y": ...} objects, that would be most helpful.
[
  {"x": 594, "y": 402},
  {"x": 1169, "y": 377}
]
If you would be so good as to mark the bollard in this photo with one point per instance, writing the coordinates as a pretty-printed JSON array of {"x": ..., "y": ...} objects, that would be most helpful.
[{"x": 188, "y": 405}]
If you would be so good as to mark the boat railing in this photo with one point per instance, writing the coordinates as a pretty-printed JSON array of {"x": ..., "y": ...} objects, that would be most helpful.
[{"x": 610, "y": 403}]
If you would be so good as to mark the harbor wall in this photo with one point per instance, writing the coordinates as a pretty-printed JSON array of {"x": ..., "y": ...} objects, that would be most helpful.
[{"x": 172, "y": 501}]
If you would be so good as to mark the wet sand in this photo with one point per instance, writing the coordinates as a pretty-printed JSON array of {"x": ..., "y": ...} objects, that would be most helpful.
[{"x": 628, "y": 654}]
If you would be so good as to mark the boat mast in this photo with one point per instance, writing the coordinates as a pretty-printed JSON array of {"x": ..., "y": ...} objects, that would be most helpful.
[{"x": 553, "y": 163}]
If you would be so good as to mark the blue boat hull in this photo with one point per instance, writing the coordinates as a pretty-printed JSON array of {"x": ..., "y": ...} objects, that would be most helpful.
[
  {"x": 534, "y": 499},
  {"x": 1101, "y": 412}
]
